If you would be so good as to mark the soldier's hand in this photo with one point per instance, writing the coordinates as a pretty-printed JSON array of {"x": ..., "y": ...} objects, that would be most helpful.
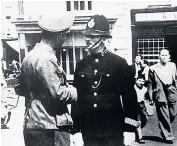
[
  {"x": 73, "y": 93},
  {"x": 72, "y": 96}
]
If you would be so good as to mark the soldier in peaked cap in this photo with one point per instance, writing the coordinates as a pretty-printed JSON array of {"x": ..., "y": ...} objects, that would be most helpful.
[
  {"x": 44, "y": 85},
  {"x": 101, "y": 79}
]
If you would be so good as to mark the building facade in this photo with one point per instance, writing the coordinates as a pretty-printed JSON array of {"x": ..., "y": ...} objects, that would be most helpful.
[
  {"x": 136, "y": 28},
  {"x": 153, "y": 29}
]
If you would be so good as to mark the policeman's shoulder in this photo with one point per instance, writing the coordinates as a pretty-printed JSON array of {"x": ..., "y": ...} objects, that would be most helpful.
[{"x": 116, "y": 57}]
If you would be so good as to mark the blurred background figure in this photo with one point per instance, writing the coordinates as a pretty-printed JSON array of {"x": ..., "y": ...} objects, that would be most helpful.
[
  {"x": 144, "y": 70},
  {"x": 5, "y": 112},
  {"x": 135, "y": 67},
  {"x": 4, "y": 68},
  {"x": 15, "y": 66}
]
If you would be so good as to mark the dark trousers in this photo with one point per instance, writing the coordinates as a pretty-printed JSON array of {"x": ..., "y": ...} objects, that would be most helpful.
[
  {"x": 46, "y": 137},
  {"x": 166, "y": 112},
  {"x": 111, "y": 140}
]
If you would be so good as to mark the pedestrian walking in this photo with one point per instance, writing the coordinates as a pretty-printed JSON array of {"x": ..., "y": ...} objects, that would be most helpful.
[
  {"x": 141, "y": 90},
  {"x": 144, "y": 70},
  {"x": 101, "y": 79},
  {"x": 162, "y": 89},
  {"x": 43, "y": 83},
  {"x": 135, "y": 67}
]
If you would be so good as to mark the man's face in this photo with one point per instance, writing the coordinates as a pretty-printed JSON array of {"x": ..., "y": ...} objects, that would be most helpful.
[
  {"x": 137, "y": 59},
  {"x": 164, "y": 56},
  {"x": 91, "y": 40},
  {"x": 139, "y": 82}
]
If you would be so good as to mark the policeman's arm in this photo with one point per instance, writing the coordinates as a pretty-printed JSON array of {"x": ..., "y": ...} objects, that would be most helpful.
[
  {"x": 51, "y": 78},
  {"x": 129, "y": 97}
]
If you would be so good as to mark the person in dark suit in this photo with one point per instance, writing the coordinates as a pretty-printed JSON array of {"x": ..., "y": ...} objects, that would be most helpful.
[
  {"x": 101, "y": 79},
  {"x": 135, "y": 67}
]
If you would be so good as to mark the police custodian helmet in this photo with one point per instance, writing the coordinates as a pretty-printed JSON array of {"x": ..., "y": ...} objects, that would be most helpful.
[
  {"x": 58, "y": 24},
  {"x": 98, "y": 25}
]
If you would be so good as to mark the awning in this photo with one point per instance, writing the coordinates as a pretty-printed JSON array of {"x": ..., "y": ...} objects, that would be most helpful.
[{"x": 14, "y": 45}]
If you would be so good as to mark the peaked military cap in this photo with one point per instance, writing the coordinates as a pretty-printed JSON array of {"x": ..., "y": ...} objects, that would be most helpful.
[
  {"x": 57, "y": 24},
  {"x": 98, "y": 25}
]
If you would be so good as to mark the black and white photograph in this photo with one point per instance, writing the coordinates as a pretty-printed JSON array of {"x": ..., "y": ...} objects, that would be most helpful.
[{"x": 88, "y": 73}]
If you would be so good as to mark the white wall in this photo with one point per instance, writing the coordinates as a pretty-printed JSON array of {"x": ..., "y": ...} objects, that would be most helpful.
[{"x": 45, "y": 8}]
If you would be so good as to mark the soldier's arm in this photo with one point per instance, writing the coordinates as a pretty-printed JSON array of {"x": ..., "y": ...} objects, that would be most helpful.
[{"x": 51, "y": 78}]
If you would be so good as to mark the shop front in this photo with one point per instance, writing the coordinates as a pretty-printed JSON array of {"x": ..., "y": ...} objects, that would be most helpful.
[
  {"x": 154, "y": 29},
  {"x": 74, "y": 49}
]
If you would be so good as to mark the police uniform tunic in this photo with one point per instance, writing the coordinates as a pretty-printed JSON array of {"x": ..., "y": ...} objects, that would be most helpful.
[{"x": 100, "y": 80}]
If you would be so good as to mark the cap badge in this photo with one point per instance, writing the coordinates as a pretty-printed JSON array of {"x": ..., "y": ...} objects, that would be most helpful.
[{"x": 91, "y": 23}]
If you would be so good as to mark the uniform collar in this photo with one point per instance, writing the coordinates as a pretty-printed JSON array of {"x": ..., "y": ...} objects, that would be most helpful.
[{"x": 100, "y": 54}]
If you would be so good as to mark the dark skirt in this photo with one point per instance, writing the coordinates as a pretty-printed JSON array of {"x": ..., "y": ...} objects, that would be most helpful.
[{"x": 46, "y": 137}]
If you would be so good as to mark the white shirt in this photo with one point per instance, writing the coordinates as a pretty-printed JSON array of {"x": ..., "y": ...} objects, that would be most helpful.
[
  {"x": 137, "y": 68},
  {"x": 166, "y": 73},
  {"x": 140, "y": 93}
]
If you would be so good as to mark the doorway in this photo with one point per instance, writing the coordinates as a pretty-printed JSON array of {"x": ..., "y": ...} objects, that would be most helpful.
[{"x": 172, "y": 46}]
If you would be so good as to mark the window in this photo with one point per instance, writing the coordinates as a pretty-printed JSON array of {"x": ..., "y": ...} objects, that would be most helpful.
[
  {"x": 89, "y": 5},
  {"x": 149, "y": 48},
  {"x": 68, "y": 5},
  {"x": 78, "y": 5},
  {"x": 82, "y": 5},
  {"x": 68, "y": 58}
]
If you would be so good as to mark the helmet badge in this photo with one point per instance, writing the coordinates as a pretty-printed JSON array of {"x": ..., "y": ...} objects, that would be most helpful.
[{"x": 91, "y": 23}]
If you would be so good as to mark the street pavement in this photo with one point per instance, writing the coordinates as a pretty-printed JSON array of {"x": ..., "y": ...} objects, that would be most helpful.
[
  {"x": 151, "y": 133},
  {"x": 14, "y": 135}
]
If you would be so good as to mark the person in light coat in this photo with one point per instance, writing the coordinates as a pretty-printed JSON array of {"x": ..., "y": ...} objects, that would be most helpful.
[
  {"x": 43, "y": 83},
  {"x": 162, "y": 89}
]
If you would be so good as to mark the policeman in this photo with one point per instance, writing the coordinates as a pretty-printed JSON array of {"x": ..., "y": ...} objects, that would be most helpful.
[
  {"x": 43, "y": 83},
  {"x": 101, "y": 78}
]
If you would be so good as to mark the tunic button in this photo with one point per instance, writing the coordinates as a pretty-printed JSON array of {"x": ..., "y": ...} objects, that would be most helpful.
[
  {"x": 95, "y": 71},
  {"x": 95, "y": 94},
  {"x": 95, "y": 105},
  {"x": 108, "y": 75},
  {"x": 96, "y": 60},
  {"x": 82, "y": 75},
  {"x": 96, "y": 82}
]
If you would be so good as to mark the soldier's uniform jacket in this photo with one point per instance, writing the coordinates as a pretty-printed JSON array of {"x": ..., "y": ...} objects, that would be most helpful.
[
  {"x": 100, "y": 80},
  {"x": 43, "y": 84}
]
